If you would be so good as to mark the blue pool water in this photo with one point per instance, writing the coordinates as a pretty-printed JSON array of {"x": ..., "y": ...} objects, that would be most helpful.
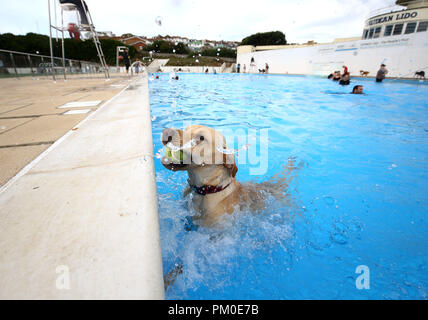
[{"x": 358, "y": 194}]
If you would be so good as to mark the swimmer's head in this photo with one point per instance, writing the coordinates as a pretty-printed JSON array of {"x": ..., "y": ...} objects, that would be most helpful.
[
  {"x": 358, "y": 89},
  {"x": 330, "y": 76}
]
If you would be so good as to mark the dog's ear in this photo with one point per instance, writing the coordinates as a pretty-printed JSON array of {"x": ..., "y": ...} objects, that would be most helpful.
[{"x": 229, "y": 162}]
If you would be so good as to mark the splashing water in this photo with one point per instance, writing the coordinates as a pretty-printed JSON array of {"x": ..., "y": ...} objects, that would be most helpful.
[{"x": 232, "y": 151}]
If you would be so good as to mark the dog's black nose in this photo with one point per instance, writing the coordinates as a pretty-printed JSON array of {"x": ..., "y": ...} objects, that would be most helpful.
[{"x": 168, "y": 135}]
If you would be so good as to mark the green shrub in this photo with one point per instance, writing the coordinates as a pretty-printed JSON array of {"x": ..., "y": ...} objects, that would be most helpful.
[{"x": 265, "y": 39}]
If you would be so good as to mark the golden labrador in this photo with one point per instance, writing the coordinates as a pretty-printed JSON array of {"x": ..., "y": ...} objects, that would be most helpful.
[{"x": 211, "y": 168}]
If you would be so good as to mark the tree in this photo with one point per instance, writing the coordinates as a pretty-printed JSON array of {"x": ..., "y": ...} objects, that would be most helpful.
[
  {"x": 265, "y": 39},
  {"x": 163, "y": 46},
  {"x": 181, "y": 48}
]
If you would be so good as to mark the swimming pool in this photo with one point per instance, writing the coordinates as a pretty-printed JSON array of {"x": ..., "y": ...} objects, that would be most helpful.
[{"x": 358, "y": 196}]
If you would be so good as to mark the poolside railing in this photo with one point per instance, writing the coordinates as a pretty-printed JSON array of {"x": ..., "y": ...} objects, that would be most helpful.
[{"x": 19, "y": 64}]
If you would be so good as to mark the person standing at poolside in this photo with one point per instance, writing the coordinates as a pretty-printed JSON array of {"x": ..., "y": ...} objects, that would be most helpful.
[
  {"x": 126, "y": 59},
  {"x": 345, "y": 71},
  {"x": 252, "y": 65},
  {"x": 266, "y": 68},
  {"x": 245, "y": 69},
  {"x": 137, "y": 66},
  {"x": 381, "y": 73},
  {"x": 238, "y": 68}
]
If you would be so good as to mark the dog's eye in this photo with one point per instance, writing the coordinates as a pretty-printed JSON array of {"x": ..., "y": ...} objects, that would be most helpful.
[{"x": 201, "y": 138}]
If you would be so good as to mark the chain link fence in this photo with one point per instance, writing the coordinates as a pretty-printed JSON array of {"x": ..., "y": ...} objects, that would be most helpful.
[{"x": 19, "y": 64}]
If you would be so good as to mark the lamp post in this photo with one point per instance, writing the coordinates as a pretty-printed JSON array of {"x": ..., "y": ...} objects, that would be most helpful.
[{"x": 119, "y": 49}]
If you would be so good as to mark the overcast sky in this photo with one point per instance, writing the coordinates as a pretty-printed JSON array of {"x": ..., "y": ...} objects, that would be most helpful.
[{"x": 300, "y": 20}]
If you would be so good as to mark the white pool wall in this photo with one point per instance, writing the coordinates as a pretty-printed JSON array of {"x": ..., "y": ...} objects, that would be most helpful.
[{"x": 403, "y": 55}]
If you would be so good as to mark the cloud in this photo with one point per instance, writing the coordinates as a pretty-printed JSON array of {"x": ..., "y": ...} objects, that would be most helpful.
[{"x": 223, "y": 19}]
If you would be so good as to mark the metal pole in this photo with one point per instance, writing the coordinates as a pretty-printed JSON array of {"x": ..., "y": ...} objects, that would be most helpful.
[
  {"x": 50, "y": 40},
  {"x": 31, "y": 65},
  {"x": 117, "y": 59},
  {"x": 56, "y": 20},
  {"x": 63, "y": 49},
  {"x": 14, "y": 65}
]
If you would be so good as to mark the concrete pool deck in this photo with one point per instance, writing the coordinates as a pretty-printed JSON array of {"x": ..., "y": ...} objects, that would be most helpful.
[
  {"x": 80, "y": 221},
  {"x": 30, "y": 120}
]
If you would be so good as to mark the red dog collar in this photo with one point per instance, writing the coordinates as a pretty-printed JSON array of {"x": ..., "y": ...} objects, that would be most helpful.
[{"x": 204, "y": 190}]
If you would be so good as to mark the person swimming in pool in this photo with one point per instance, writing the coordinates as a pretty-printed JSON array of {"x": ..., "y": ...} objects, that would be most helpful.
[
  {"x": 345, "y": 80},
  {"x": 336, "y": 76},
  {"x": 358, "y": 89}
]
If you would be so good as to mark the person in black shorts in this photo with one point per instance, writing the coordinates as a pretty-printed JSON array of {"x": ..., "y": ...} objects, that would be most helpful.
[
  {"x": 126, "y": 60},
  {"x": 381, "y": 73},
  {"x": 345, "y": 80}
]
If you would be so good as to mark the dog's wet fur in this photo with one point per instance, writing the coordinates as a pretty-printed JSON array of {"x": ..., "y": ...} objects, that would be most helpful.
[{"x": 207, "y": 165}]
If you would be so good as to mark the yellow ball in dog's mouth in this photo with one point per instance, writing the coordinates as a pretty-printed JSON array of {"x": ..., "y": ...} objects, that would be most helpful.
[{"x": 177, "y": 155}]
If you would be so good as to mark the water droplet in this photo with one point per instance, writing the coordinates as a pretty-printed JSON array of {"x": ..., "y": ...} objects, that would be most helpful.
[
  {"x": 196, "y": 60},
  {"x": 158, "y": 20},
  {"x": 153, "y": 118},
  {"x": 218, "y": 49},
  {"x": 173, "y": 50}
]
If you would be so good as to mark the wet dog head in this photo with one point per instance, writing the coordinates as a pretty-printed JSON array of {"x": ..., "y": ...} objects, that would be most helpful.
[{"x": 195, "y": 147}]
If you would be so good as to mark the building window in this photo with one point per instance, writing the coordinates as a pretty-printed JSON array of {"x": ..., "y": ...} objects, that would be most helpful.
[
  {"x": 377, "y": 32},
  {"x": 423, "y": 26},
  {"x": 410, "y": 28},
  {"x": 371, "y": 33},
  {"x": 388, "y": 30},
  {"x": 398, "y": 28},
  {"x": 365, "y": 33}
]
